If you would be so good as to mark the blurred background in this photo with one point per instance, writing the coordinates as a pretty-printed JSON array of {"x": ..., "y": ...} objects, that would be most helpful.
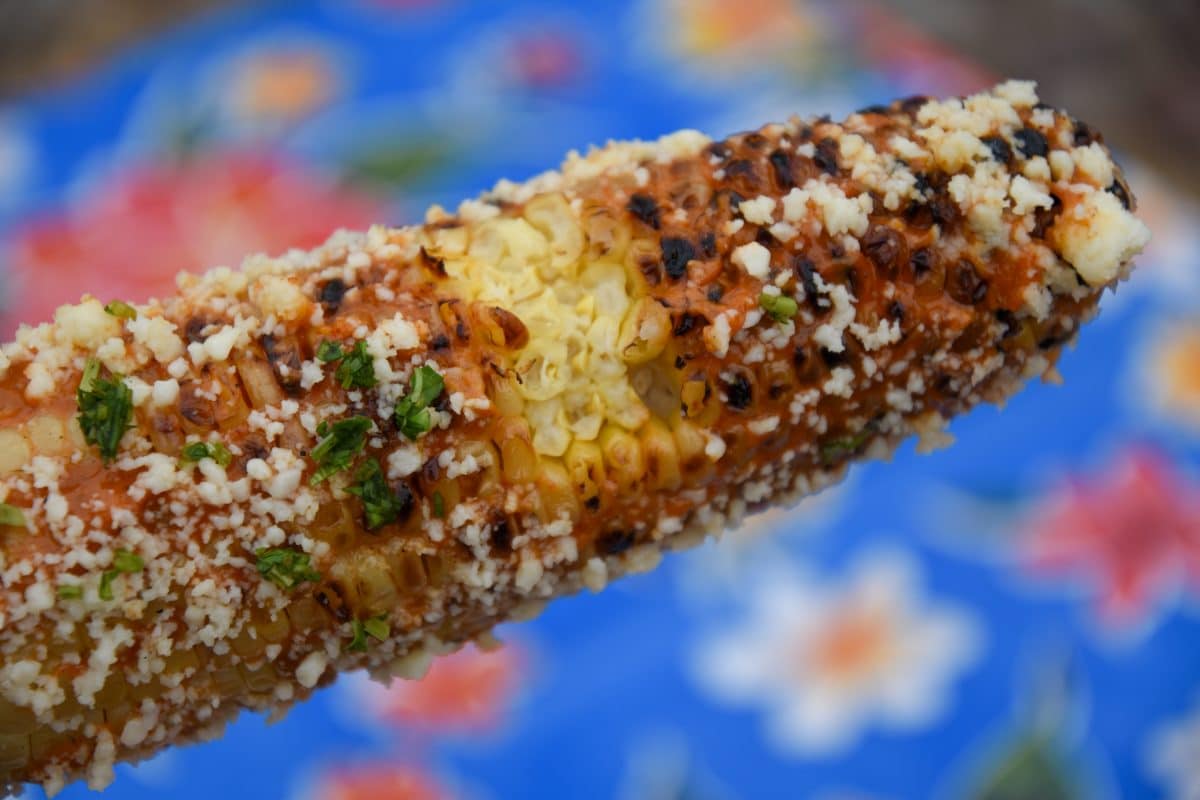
[{"x": 1016, "y": 617}]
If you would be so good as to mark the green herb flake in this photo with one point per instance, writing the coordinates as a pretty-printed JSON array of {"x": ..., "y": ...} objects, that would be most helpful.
[
  {"x": 198, "y": 451},
  {"x": 121, "y": 310},
  {"x": 69, "y": 591},
  {"x": 329, "y": 351},
  {"x": 780, "y": 307},
  {"x": 284, "y": 567},
  {"x": 11, "y": 516},
  {"x": 357, "y": 370},
  {"x": 124, "y": 562},
  {"x": 836, "y": 449},
  {"x": 439, "y": 505},
  {"x": 375, "y": 627},
  {"x": 105, "y": 410},
  {"x": 340, "y": 443},
  {"x": 412, "y": 412},
  {"x": 378, "y": 627},
  {"x": 380, "y": 504}
]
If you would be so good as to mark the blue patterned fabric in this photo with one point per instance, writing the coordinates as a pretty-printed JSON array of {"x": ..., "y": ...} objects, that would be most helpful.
[{"x": 1014, "y": 617}]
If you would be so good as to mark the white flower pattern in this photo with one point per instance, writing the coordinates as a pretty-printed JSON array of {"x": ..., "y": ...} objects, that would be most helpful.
[
  {"x": 828, "y": 661},
  {"x": 1173, "y": 756}
]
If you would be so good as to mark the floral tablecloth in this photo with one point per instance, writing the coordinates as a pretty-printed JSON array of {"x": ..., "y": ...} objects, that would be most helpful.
[{"x": 1016, "y": 617}]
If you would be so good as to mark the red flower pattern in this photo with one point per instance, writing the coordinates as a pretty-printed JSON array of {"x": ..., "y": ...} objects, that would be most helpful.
[
  {"x": 130, "y": 234},
  {"x": 378, "y": 782},
  {"x": 467, "y": 691},
  {"x": 1133, "y": 532}
]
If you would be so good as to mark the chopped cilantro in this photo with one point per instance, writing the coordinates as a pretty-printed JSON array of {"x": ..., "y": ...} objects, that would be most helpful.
[
  {"x": 340, "y": 443},
  {"x": 284, "y": 567},
  {"x": 835, "y": 449},
  {"x": 125, "y": 562},
  {"x": 329, "y": 351},
  {"x": 780, "y": 307},
  {"x": 105, "y": 409},
  {"x": 357, "y": 370},
  {"x": 412, "y": 412},
  {"x": 198, "y": 451},
  {"x": 380, "y": 504},
  {"x": 375, "y": 627},
  {"x": 69, "y": 591},
  {"x": 121, "y": 310},
  {"x": 12, "y": 516},
  {"x": 439, "y": 505}
]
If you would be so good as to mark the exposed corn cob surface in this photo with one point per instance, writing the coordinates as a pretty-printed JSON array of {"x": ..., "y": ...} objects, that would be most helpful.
[{"x": 367, "y": 455}]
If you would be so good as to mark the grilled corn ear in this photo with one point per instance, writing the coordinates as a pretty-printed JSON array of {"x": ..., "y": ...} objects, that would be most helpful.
[{"x": 366, "y": 455}]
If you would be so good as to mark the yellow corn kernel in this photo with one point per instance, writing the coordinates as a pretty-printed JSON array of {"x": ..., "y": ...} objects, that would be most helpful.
[
  {"x": 376, "y": 591},
  {"x": 693, "y": 395},
  {"x": 272, "y": 627},
  {"x": 518, "y": 461},
  {"x": 407, "y": 570},
  {"x": 547, "y": 419},
  {"x": 585, "y": 466},
  {"x": 445, "y": 243},
  {"x": 44, "y": 741},
  {"x": 305, "y": 614},
  {"x": 335, "y": 524},
  {"x": 661, "y": 455},
  {"x": 15, "y": 719},
  {"x": 644, "y": 331},
  {"x": 260, "y": 679},
  {"x": 48, "y": 435},
  {"x": 14, "y": 451},
  {"x": 657, "y": 385},
  {"x": 436, "y": 568},
  {"x": 503, "y": 394},
  {"x": 551, "y": 214},
  {"x": 182, "y": 661},
  {"x": 258, "y": 379},
  {"x": 555, "y": 492},
  {"x": 694, "y": 462},
  {"x": 641, "y": 259},
  {"x": 607, "y": 234},
  {"x": 623, "y": 457},
  {"x": 228, "y": 681},
  {"x": 248, "y": 644},
  {"x": 14, "y": 752},
  {"x": 114, "y": 692}
]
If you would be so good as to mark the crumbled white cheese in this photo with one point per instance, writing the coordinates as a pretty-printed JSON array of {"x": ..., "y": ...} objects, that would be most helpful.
[
  {"x": 164, "y": 393},
  {"x": 1097, "y": 235},
  {"x": 404, "y": 461},
  {"x": 754, "y": 258},
  {"x": 758, "y": 210},
  {"x": 86, "y": 325},
  {"x": 1026, "y": 196},
  {"x": 311, "y": 669},
  {"x": 157, "y": 335}
]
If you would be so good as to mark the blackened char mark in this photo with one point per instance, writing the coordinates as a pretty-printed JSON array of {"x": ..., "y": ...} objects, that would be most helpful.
[
  {"x": 1031, "y": 143},
  {"x": 612, "y": 543},
  {"x": 645, "y": 208},
  {"x": 826, "y": 156},
  {"x": 676, "y": 253},
  {"x": 781, "y": 165}
]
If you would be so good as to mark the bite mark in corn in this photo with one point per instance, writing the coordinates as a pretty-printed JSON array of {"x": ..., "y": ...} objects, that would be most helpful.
[{"x": 614, "y": 387}]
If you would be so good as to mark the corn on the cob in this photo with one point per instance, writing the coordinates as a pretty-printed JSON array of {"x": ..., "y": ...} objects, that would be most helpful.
[{"x": 367, "y": 455}]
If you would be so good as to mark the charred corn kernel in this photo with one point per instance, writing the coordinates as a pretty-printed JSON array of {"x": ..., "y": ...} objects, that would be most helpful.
[
  {"x": 626, "y": 352},
  {"x": 585, "y": 465},
  {"x": 607, "y": 235},
  {"x": 645, "y": 331}
]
